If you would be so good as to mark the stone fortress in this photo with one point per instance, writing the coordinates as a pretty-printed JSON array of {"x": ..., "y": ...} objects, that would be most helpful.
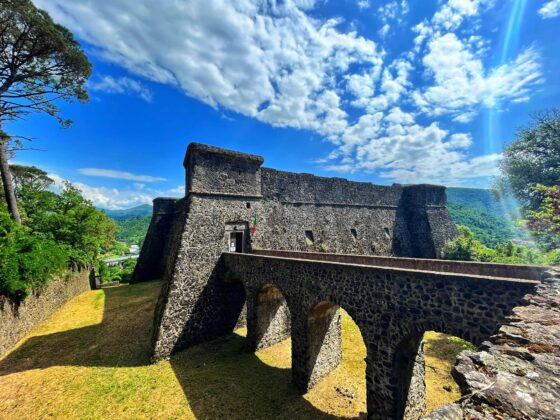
[{"x": 282, "y": 252}]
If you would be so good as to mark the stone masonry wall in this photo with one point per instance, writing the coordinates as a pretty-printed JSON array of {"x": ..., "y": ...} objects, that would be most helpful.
[
  {"x": 390, "y": 306},
  {"x": 18, "y": 320},
  {"x": 292, "y": 211},
  {"x": 515, "y": 374},
  {"x": 151, "y": 262}
]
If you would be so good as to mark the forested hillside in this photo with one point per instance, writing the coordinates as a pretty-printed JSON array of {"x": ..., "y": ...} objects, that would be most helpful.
[
  {"x": 489, "y": 218},
  {"x": 482, "y": 200},
  {"x": 141, "y": 210},
  {"x": 132, "y": 230}
]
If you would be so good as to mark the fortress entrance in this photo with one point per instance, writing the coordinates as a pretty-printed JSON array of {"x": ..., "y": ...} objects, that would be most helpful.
[{"x": 236, "y": 236}]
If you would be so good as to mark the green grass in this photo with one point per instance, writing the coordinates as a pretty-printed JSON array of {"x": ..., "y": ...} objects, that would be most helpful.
[{"x": 90, "y": 360}]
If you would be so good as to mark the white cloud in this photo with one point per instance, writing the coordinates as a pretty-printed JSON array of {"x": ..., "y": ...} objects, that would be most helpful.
[
  {"x": 267, "y": 60},
  {"x": 363, "y": 4},
  {"x": 402, "y": 150},
  {"x": 110, "y": 173},
  {"x": 123, "y": 85},
  {"x": 276, "y": 63},
  {"x": 109, "y": 198},
  {"x": 384, "y": 30},
  {"x": 550, "y": 9},
  {"x": 462, "y": 84}
]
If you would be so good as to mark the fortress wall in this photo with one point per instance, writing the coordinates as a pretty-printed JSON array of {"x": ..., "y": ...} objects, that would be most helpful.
[
  {"x": 150, "y": 265},
  {"x": 17, "y": 320},
  {"x": 226, "y": 192}
]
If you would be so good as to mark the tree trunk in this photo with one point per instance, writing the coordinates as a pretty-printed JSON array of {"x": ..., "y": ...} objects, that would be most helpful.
[{"x": 7, "y": 180}]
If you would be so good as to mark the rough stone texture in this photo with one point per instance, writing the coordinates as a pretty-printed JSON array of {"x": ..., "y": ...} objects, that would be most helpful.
[
  {"x": 151, "y": 262},
  {"x": 226, "y": 191},
  {"x": 516, "y": 374},
  {"x": 18, "y": 320},
  {"x": 271, "y": 324},
  {"x": 392, "y": 307},
  {"x": 226, "y": 188}
]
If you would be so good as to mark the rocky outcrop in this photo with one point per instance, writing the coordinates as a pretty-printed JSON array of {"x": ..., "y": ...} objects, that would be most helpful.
[{"x": 516, "y": 374}]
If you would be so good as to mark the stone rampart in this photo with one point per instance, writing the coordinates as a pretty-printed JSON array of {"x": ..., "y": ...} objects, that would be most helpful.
[
  {"x": 16, "y": 320},
  {"x": 229, "y": 195}
]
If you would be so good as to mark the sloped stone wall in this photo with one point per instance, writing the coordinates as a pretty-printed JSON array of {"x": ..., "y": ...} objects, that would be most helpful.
[{"x": 18, "y": 320}]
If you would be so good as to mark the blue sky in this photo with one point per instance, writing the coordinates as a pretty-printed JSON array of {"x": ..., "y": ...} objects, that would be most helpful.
[{"x": 381, "y": 91}]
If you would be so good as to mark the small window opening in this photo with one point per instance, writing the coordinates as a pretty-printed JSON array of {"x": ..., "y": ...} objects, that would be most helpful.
[
  {"x": 248, "y": 205},
  {"x": 309, "y": 238},
  {"x": 354, "y": 233},
  {"x": 387, "y": 233}
]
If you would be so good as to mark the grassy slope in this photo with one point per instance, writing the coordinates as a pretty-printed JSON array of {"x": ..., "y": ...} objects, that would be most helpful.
[{"x": 91, "y": 360}]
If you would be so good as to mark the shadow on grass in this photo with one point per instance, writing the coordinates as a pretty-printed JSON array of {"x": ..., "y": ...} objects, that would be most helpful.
[
  {"x": 445, "y": 347},
  {"x": 220, "y": 379}
]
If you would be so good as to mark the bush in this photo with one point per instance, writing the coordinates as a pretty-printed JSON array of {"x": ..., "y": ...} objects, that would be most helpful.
[
  {"x": 27, "y": 262},
  {"x": 552, "y": 257},
  {"x": 466, "y": 248}
]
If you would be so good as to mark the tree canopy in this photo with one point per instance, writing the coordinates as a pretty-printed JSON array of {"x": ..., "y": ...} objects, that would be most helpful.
[
  {"x": 533, "y": 159},
  {"x": 40, "y": 63}
]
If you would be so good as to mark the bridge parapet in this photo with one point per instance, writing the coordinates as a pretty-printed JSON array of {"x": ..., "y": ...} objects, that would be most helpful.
[{"x": 513, "y": 271}]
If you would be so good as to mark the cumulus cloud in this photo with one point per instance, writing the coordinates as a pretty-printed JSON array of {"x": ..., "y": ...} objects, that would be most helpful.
[
  {"x": 462, "y": 83},
  {"x": 550, "y": 9},
  {"x": 118, "y": 198},
  {"x": 363, "y": 4},
  {"x": 110, "y": 173},
  {"x": 278, "y": 63},
  {"x": 122, "y": 85}
]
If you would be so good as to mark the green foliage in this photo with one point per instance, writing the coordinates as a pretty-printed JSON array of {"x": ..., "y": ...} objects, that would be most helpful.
[
  {"x": 552, "y": 257},
  {"x": 58, "y": 230},
  {"x": 487, "y": 228},
  {"x": 27, "y": 262},
  {"x": 116, "y": 273},
  {"x": 484, "y": 201},
  {"x": 544, "y": 222},
  {"x": 133, "y": 230},
  {"x": 533, "y": 158},
  {"x": 74, "y": 222},
  {"x": 42, "y": 62},
  {"x": 466, "y": 248}
]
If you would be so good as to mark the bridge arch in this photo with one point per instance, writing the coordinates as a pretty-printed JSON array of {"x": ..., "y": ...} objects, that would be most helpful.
[
  {"x": 268, "y": 316},
  {"x": 324, "y": 340},
  {"x": 409, "y": 369}
]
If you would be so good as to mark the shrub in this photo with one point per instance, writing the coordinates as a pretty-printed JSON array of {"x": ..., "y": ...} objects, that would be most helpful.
[{"x": 27, "y": 262}]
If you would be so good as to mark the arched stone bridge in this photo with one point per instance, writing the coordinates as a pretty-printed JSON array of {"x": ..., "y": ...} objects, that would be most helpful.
[{"x": 392, "y": 300}]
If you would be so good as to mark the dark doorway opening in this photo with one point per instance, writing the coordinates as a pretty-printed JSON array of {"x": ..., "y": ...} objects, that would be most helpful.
[{"x": 236, "y": 242}]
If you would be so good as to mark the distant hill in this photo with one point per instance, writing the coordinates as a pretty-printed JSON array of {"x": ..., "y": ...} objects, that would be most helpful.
[
  {"x": 133, "y": 230},
  {"x": 132, "y": 224},
  {"x": 482, "y": 200},
  {"x": 141, "y": 210},
  {"x": 489, "y": 219}
]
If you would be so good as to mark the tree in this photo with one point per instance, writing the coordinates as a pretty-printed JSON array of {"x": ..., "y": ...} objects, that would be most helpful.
[
  {"x": 544, "y": 222},
  {"x": 27, "y": 178},
  {"x": 532, "y": 159},
  {"x": 40, "y": 63}
]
